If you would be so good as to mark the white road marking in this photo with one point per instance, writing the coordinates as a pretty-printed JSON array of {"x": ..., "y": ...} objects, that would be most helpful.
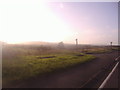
[
  {"x": 117, "y": 58},
  {"x": 108, "y": 77}
]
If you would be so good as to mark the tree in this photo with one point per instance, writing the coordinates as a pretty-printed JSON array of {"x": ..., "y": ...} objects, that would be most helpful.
[{"x": 61, "y": 45}]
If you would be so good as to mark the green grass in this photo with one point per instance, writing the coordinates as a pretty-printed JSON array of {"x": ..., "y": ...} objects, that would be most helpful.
[
  {"x": 23, "y": 67},
  {"x": 97, "y": 51}
]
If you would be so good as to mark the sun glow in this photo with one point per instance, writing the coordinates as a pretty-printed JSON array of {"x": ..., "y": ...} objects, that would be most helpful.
[{"x": 32, "y": 23}]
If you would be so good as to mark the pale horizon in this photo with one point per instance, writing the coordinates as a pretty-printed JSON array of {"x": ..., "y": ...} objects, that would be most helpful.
[{"x": 90, "y": 22}]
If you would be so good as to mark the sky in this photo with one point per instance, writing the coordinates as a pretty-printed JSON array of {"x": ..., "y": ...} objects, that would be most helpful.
[{"x": 89, "y": 22}]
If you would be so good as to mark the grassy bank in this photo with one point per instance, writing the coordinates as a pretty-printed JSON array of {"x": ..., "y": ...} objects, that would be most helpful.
[
  {"x": 100, "y": 50},
  {"x": 97, "y": 51},
  {"x": 23, "y": 67}
]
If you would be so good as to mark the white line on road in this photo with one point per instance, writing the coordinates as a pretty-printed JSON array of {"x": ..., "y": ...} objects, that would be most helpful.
[
  {"x": 117, "y": 58},
  {"x": 108, "y": 77}
]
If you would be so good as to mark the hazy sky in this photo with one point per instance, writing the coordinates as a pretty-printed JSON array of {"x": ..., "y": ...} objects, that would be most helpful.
[
  {"x": 89, "y": 22},
  {"x": 94, "y": 22}
]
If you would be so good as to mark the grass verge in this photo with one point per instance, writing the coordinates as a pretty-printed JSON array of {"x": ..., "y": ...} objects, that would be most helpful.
[{"x": 24, "y": 67}]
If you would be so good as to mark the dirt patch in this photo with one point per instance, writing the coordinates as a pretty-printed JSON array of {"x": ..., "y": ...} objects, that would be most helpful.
[
  {"x": 89, "y": 53},
  {"x": 46, "y": 57},
  {"x": 79, "y": 55}
]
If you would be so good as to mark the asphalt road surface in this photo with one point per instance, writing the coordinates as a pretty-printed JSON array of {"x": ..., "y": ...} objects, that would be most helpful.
[
  {"x": 113, "y": 81},
  {"x": 73, "y": 77}
]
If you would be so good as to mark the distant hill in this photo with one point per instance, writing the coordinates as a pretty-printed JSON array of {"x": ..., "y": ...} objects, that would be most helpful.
[
  {"x": 2, "y": 43},
  {"x": 38, "y": 43}
]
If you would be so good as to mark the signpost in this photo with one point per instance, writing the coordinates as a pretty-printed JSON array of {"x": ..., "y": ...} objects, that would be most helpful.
[
  {"x": 111, "y": 44},
  {"x": 76, "y": 43}
]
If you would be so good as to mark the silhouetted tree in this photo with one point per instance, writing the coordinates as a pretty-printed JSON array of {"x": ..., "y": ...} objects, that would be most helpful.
[{"x": 61, "y": 45}]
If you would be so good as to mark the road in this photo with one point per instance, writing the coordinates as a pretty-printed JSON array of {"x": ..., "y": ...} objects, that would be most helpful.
[
  {"x": 73, "y": 77},
  {"x": 113, "y": 81}
]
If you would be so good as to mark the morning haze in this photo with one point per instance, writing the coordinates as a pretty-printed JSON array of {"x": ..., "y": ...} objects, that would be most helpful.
[
  {"x": 59, "y": 44},
  {"x": 89, "y": 22}
]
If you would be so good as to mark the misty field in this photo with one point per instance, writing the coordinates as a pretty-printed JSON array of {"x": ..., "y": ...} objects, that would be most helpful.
[{"x": 22, "y": 62}]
